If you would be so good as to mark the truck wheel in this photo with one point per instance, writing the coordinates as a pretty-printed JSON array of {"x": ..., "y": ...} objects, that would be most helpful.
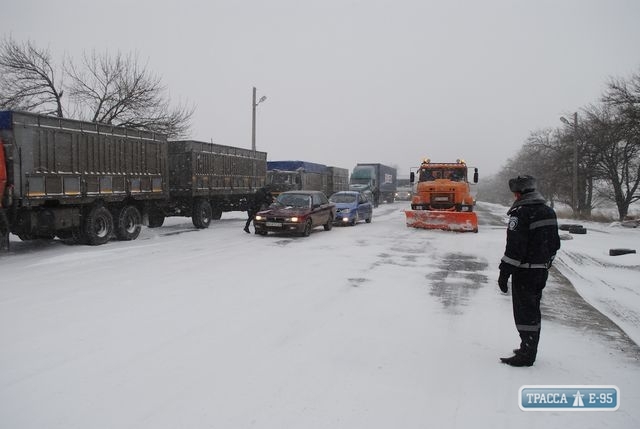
[
  {"x": 128, "y": 223},
  {"x": 98, "y": 226},
  {"x": 201, "y": 216},
  {"x": 4, "y": 230},
  {"x": 156, "y": 218}
]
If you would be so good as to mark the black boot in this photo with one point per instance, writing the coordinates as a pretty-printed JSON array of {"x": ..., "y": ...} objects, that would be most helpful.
[
  {"x": 526, "y": 354},
  {"x": 246, "y": 229},
  {"x": 517, "y": 360}
]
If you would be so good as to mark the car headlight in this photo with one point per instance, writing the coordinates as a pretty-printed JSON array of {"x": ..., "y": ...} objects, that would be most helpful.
[
  {"x": 258, "y": 217},
  {"x": 293, "y": 219}
]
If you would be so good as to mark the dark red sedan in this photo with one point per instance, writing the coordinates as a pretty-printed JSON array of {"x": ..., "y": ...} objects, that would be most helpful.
[{"x": 296, "y": 212}]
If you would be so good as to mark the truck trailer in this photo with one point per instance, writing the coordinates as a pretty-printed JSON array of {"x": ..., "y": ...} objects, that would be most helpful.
[
  {"x": 303, "y": 175},
  {"x": 377, "y": 179},
  {"x": 86, "y": 182}
]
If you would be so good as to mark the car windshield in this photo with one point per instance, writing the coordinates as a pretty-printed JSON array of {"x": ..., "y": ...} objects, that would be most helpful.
[
  {"x": 294, "y": 200},
  {"x": 343, "y": 198}
]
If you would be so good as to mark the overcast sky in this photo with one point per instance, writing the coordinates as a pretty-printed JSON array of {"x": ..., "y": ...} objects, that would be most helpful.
[{"x": 349, "y": 81}]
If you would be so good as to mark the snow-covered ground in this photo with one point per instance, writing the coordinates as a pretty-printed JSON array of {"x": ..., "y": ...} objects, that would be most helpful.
[{"x": 372, "y": 326}]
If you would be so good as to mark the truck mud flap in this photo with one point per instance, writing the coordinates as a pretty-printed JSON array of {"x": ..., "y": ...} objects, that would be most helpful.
[{"x": 444, "y": 220}]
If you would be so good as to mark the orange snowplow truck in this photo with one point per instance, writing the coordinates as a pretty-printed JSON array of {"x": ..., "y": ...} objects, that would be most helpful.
[{"x": 442, "y": 197}]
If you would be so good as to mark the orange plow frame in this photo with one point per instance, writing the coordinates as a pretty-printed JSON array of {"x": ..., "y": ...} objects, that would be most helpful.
[{"x": 445, "y": 220}]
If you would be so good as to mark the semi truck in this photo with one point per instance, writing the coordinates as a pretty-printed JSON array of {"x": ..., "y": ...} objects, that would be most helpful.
[
  {"x": 377, "y": 179},
  {"x": 442, "y": 197},
  {"x": 86, "y": 182},
  {"x": 303, "y": 175}
]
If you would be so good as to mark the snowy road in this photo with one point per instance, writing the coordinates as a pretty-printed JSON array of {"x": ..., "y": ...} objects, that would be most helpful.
[{"x": 372, "y": 326}]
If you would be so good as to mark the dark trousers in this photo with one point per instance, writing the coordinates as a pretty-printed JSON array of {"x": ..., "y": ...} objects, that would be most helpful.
[
  {"x": 526, "y": 293},
  {"x": 251, "y": 213}
]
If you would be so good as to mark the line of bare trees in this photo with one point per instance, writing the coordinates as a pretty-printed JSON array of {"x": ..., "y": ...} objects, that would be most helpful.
[
  {"x": 107, "y": 88},
  {"x": 606, "y": 138}
]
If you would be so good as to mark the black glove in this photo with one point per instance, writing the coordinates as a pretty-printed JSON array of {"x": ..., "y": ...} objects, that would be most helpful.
[{"x": 502, "y": 281}]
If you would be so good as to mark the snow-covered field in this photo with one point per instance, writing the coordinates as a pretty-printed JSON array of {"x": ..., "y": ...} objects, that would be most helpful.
[{"x": 372, "y": 326}]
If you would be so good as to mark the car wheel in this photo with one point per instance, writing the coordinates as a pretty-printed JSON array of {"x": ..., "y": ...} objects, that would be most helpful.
[
  {"x": 368, "y": 220},
  {"x": 307, "y": 228},
  {"x": 355, "y": 220},
  {"x": 329, "y": 224}
]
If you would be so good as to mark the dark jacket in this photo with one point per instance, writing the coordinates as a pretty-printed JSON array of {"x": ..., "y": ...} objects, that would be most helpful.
[
  {"x": 262, "y": 198},
  {"x": 532, "y": 235}
]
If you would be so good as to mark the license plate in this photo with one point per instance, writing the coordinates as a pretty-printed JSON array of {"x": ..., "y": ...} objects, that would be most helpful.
[{"x": 274, "y": 224}]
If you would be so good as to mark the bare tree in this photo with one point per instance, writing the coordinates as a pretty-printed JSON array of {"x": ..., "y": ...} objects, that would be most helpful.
[
  {"x": 117, "y": 90},
  {"x": 620, "y": 122},
  {"x": 102, "y": 88},
  {"x": 28, "y": 79},
  {"x": 617, "y": 157},
  {"x": 624, "y": 96}
]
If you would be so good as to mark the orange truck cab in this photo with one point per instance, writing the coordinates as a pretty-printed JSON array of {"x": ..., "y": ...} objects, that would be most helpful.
[{"x": 442, "y": 197}]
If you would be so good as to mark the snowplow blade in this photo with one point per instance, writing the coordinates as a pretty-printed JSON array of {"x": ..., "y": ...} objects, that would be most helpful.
[{"x": 445, "y": 220}]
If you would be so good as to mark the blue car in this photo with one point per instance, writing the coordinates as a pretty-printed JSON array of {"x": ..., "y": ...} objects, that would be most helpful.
[{"x": 351, "y": 207}]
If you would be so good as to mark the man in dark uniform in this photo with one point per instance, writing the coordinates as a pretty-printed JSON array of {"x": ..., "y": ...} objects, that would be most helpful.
[
  {"x": 261, "y": 200},
  {"x": 532, "y": 243}
]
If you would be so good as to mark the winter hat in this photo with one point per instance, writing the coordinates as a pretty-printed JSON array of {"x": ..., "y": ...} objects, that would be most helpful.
[{"x": 522, "y": 184}]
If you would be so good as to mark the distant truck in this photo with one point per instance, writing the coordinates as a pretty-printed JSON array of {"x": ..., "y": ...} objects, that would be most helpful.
[
  {"x": 86, "y": 182},
  {"x": 285, "y": 176},
  {"x": 377, "y": 179}
]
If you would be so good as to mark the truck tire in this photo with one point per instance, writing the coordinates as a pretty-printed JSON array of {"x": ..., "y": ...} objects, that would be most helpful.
[
  {"x": 98, "y": 226},
  {"x": 618, "y": 252},
  {"x": 155, "y": 218},
  {"x": 577, "y": 229},
  {"x": 4, "y": 230},
  {"x": 201, "y": 216},
  {"x": 127, "y": 223},
  {"x": 569, "y": 226}
]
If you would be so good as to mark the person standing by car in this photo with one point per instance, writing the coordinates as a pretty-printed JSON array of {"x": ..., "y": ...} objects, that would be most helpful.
[
  {"x": 261, "y": 200},
  {"x": 532, "y": 243}
]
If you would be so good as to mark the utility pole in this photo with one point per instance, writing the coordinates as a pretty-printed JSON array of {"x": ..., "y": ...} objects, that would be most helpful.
[
  {"x": 254, "y": 104},
  {"x": 574, "y": 181}
]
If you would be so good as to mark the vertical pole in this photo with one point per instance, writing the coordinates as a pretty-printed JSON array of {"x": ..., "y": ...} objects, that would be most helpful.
[
  {"x": 576, "y": 207},
  {"x": 253, "y": 121}
]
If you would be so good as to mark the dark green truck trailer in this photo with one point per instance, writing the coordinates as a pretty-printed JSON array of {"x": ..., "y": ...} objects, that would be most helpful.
[{"x": 89, "y": 182}]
